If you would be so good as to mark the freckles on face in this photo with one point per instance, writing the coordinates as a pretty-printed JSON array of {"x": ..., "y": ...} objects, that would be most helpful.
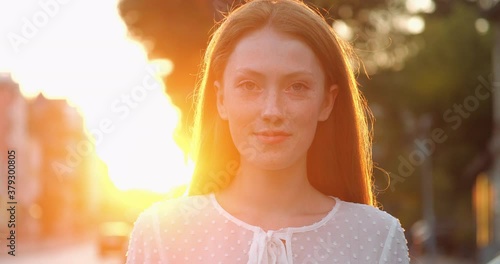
[{"x": 272, "y": 94}]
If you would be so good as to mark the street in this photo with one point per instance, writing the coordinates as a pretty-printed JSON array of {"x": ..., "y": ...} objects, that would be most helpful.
[{"x": 84, "y": 253}]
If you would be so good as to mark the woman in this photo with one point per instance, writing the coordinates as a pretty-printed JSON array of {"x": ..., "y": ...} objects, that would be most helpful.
[{"x": 282, "y": 152}]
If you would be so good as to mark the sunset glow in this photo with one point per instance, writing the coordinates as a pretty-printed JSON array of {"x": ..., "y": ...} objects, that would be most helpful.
[{"x": 80, "y": 51}]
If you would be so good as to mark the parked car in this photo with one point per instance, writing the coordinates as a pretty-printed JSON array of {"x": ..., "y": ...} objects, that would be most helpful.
[{"x": 113, "y": 237}]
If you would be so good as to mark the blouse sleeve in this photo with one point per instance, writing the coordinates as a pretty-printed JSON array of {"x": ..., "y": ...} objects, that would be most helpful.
[
  {"x": 395, "y": 247},
  {"x": 144, "y": 244}
]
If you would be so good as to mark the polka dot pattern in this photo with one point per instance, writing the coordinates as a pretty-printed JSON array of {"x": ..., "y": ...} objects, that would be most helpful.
[{"x": 196, "y": 229}]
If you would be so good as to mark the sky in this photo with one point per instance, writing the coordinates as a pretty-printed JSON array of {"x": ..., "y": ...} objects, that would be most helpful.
[{"x": 80, "y": 51}]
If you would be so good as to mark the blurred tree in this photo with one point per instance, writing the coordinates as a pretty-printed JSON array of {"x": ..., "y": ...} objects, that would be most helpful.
[{"x": 453, "y": 61}]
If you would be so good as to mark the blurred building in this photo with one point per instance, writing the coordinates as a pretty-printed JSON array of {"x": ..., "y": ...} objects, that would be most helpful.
[
  {"x": 57, "y": 188},
  {"x": 14, "y": 135},
  {"x": 67, "y": 167}
]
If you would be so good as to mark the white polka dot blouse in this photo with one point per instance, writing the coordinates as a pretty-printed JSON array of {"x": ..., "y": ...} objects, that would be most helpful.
[{"x": 196, "y": 229}]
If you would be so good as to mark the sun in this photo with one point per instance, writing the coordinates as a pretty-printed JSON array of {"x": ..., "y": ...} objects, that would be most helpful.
[
  {"x": 140, "y": 151},
  {"x": 97, "y": 68}
]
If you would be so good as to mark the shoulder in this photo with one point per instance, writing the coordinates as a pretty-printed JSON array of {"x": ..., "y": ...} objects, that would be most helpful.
[
  {"x": 368, "y": 219},
  {"x": 374, "y": 227},
  {"x": 366, "y": 214},
  {"x": 363, "y": 226},
  {"x": 182, "y": 207},
  {"x": 145, "y": 241},
  {"x": 369, "y": 223}
]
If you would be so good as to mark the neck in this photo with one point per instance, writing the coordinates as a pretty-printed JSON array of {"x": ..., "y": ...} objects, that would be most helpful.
[{"x": 272, "y": 191}]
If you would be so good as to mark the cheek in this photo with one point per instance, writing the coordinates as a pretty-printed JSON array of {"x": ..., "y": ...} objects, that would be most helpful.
[
  {"x": 240, "y": 117},
  {"x": 306, "y": 122},
  {"x": 239, "y": 111},
  {"x": 308, "y": 127},
  {"x": 307, "y": 114}
]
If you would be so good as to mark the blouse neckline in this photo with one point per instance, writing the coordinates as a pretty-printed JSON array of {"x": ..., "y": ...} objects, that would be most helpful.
[{"x": 287, "y": 230}]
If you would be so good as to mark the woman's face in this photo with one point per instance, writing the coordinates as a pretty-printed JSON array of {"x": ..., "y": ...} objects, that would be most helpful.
[{"x": 273, "y": 94}]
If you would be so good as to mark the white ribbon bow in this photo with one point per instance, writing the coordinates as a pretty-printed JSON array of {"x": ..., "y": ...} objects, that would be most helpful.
[{"x": 268, "y": 248}]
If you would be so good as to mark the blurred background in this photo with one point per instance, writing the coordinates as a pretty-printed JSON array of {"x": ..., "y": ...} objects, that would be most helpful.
[{"x": 95, "y": 99}]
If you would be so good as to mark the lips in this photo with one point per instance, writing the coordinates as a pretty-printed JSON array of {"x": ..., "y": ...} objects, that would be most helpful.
[{"x": 272, "y": 136}]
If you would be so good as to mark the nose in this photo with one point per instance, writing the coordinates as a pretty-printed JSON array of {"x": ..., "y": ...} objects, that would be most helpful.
[{"x": 273, "y": 107}]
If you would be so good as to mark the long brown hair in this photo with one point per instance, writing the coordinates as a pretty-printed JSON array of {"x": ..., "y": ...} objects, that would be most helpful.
[{"x": 339, "y": 161}]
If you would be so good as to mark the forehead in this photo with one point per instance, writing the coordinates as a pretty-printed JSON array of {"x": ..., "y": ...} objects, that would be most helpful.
[{"x": 271, "y": 52}]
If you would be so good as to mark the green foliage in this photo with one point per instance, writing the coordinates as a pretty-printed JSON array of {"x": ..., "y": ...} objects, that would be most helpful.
[{"x": 452, "y": 59}]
